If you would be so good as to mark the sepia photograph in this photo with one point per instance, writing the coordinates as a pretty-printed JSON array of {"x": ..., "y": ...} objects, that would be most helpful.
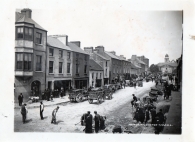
[{"x": 114, "y": 71}]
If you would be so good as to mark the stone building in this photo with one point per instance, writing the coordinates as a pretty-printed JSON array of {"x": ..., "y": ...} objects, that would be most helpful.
[
  {"x": 30, "y": 55},
  {"x": 59, "y": 63},
  {"x": 101, "y": 60},
  {"x": 96, "y": 74},
  {"x": 126, "y": 67},
  {"x": 167, "y": 66},
  {"x": 80, "y": 66}
]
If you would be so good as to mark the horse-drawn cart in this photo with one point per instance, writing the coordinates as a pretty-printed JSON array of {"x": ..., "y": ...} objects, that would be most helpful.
[
  {"x": 78, "y": 95},
  {"x": 108, "y": 91},
  {"x": 95, "y": 94}
]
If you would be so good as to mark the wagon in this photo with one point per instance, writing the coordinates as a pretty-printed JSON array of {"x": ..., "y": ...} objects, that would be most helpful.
[
  {"x": 78, "y": 95},
  {"x": 95, "y": 94},
  {"x": 140, "y": 83},
  {"x": 34, "y": 98},
  {"x": 108, "y": 91},
  {"x": 156, "y": 91},
  {"x": 117, "y": 86}
]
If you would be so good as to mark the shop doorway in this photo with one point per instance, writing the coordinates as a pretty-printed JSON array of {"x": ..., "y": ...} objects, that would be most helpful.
[{"x": 35, "y": 88}]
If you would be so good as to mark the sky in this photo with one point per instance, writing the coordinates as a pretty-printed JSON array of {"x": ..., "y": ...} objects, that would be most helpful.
[{"x": 150, "y": 33}]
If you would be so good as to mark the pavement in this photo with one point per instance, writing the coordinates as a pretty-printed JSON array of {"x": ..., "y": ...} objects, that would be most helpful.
[
  {"x": 174, "y": 115},
  {"x": 55, "y": 101}
]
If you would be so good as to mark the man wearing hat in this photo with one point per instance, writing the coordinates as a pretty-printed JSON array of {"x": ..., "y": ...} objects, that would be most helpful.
[
  {"x": 54, "y": 115},
  {"x": 23, "y": 111},
  {"x": 88, "y": 126},
  {"x": 97, "y": 121},
  {"x": 41, "y": 110}
]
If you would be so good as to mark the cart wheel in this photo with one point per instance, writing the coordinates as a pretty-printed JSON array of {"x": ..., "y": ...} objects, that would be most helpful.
[{"x": 90, "y": 101}]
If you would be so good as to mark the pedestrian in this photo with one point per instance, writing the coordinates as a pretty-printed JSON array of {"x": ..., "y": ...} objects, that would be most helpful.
[
  {"x": 147, "y": 115},
  {"x": 41, "y": 110},
  {"x": 54, "y": 115},
  {"x": 134, "y": 84},
  {"x": 24, "y": 112},
  {"x": 124, "y": 84},
  {"x": 153, "y": 115},
  {"x": 97, "y": 121},
  {"x": 83, "y": 119},
  {"x": 156, "y": 82},
  {"x": 88, "y": 126},
  {"x": 102, "y": 122},
  {"x": 134, "y": 100},
  {"x": 20, "y": 99}
]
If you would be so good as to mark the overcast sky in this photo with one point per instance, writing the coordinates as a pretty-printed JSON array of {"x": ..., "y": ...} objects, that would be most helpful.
[{"x": 149, "y": 33}]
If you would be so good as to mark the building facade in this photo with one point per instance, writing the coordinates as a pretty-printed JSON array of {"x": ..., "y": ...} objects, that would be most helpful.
[
  {"x": 30, "y": 56},
  {"x": 167, "y": 66},
  {"x": 126, "y": 67},
  {"x": 96, "y": 74},
  {"x": 59, "y": 63},
  {"x": 101, "y": 60},
  {"x": 80, "y": 66}
]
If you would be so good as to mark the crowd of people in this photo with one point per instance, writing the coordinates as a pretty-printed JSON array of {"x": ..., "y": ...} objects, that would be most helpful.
[{"x": 87, "y": 120}]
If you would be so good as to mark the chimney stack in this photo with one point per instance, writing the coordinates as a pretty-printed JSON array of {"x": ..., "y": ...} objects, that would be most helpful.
[
  {"x": 88, "y": 49},
  {"x": 113, "y": 52},
  {"x": 27, "y": 12},
  {"x": 99, "y": 49}
]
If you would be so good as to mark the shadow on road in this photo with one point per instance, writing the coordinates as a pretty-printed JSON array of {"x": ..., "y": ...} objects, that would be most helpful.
[
  {"x": 28, "y": 120},
  {"x": 59, "y": 121}
]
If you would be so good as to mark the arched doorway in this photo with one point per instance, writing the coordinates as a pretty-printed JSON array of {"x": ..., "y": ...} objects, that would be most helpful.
[{"x": 35, "y": 88}]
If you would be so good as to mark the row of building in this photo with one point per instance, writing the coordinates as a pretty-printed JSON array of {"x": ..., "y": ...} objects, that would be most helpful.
[{"x": 53, "y": 62}]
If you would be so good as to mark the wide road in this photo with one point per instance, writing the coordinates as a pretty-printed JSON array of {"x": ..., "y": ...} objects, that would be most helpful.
[{"x": 118, "y": 111}]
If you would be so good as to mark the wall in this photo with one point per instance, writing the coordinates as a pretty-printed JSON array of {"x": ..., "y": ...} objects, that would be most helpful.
[{"x": 94, "y": 79}]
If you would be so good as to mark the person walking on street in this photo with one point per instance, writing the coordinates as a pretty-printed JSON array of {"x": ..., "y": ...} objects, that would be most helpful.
[
  {"x": 23, "y": 111},
  {"x": 41, "y": 110},
  {"x": 54, "y": 115},
  {"x": 88, "y": 126},
  {"x": 20, "y": 99},
  {"x": 97, "y": 121},
  {"x": 134, "y": 100},
  {"x": 153, "y": 115}
]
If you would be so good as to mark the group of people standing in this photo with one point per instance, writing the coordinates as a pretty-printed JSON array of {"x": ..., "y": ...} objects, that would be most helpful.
[
  {"x": 87, "y": 121},
  {"x": 49, "y": 94}
]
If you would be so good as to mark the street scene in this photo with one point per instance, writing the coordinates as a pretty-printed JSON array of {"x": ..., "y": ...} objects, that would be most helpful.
[{"x": 65, "y": 86}]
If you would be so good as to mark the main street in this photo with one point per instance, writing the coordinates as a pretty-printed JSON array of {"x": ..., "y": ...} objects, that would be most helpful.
[{"x": 118, "y": 112}]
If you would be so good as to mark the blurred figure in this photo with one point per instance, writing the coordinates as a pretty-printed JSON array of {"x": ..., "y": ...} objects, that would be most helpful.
[
  {"x": 88, "y": 126},
  {"x": 20, "y": 99},
  {"x": 24, "y": 112},
  {"x": 41, "y": 110},
  {"x": 97, "y": 121},
  {"x": 54, "y": 115}
]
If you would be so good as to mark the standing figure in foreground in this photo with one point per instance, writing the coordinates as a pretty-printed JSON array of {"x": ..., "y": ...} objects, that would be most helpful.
[
  {"x": 20, "y": 99},
  {"x": 88, "y": 126},
  {"x": 41, "y": 110},
  {"x": 97, "y": 121},
  {"x": 54, "y": 115},
  {"x": 23, "y": 111}
]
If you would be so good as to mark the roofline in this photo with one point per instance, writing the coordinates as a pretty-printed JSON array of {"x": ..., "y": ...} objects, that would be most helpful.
[
  {"x": 58, "y": 47},
  {"x": 100, "y": 56},
  {"x": 31, "y": 24}
]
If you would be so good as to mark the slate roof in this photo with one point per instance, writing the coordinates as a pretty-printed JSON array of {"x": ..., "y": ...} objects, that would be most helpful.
[
  {"x": 141, "y": 62},
  {"x": 111, "y": 55},
  {"x": 75, "y": 48},
  {"x": 23, "y": 18},
  {"x": 134, "y": 67},
  {"x": 94, "y": 66},
  {"x": 169, "y": 63},
  {"x": 101, "y": 56},
  {"x": 123, "y": 59},
  {"x": 52, "y": 41}
]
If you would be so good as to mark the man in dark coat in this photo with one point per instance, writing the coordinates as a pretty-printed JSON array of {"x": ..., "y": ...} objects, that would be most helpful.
[
  {"x": 23, "y": 111},
  {"x": 20, "y": 99},
  {"x": 97, "y": 121},
  {"x": 153, "y": 115},
  {"x": 88, "y": 126},
  {"x": 102, "y": 122},
  {"x": 41, "y": 110},
  {"x": 134, "y": 100},
  {"x": 83, "y": 119}
]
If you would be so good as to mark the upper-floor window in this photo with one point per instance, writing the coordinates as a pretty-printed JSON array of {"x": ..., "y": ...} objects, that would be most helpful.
[
  {"x": 106, "y": 73},
  {"x": 50, "y": 66},
  {"x": 60, "y": 53},
  {"x": 28, "y": 33},
  {"x": 23, "y": 61},
  {"x": 106, "y": 64},
  {"x": 77, "y": 56},
  {"x": 38, "y": 63},
  {"x": 92, "y": 75},
  {"x": 96, "y": 75},
  {"x": 38, "y": 38},
  {"x": 20, "y": 33},
  {"x": 85, "y": 69},
  {"x": 60, "y": 67},
  {"x": 68, "y": 67},
  {"x": 85, "y": 57},
  {"x": 68, "y": 55},
  {"x": 77, "y": 68},
  {"x": 51, "y": 52},
  {"x": 100, "y": 75}
]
